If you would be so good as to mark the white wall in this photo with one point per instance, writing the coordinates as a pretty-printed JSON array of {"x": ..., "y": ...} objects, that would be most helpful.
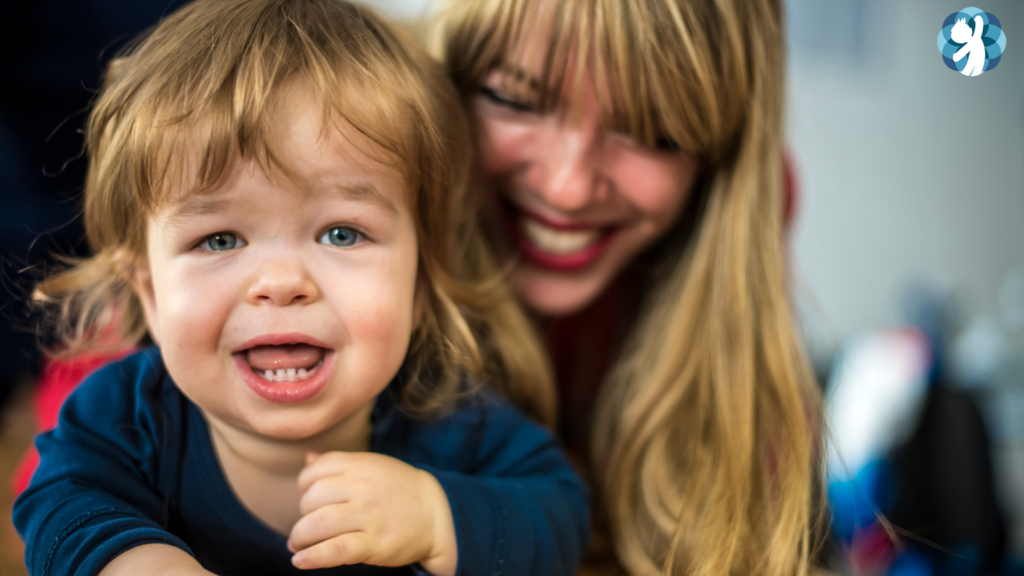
[{"x": 910, "y": 172}]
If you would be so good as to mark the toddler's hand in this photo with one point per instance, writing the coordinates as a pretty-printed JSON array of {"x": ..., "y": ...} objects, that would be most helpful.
[{"x": 361, "y": 507}]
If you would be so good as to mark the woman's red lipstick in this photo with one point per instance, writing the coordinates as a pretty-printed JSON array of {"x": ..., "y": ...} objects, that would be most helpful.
[{"x": 559, "y": 262}]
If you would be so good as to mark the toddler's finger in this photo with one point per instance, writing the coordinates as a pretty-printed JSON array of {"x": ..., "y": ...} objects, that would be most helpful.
[
  {"x": 325, "y": 491},
  {"x": 351, "y": 548},
  {"x": 323, "y": 524},
  {"x": 329, "y": 464}
]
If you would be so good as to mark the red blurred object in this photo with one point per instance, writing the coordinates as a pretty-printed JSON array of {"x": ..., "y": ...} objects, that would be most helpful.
[
  {"x": 58, "y": 380},
  {"x": 872, "y": 551}
]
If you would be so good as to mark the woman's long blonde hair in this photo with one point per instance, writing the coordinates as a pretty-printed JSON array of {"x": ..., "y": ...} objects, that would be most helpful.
[
  {"x": 197, "y": 93},
  {"x": 706, "y": 432}
]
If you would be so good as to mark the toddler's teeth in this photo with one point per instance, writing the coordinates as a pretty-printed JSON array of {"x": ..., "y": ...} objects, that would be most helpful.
[
  {"x": 291, "y": 374},
  {"x": 280, "y": 374},
  {"x": 269, "y": 375},
  {"x": 302, "y": 372}
]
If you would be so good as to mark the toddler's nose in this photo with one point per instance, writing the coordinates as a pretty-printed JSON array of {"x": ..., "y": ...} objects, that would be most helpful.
[{"x": 283, "y": 283}]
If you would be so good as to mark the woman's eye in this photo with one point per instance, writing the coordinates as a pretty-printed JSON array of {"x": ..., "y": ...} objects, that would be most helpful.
[
  {"x": 502, "y": 99},
  {"x": 340, "y": 236},
  {"x": 666, "y": 144},
  {"x": 222, "y": 242}
]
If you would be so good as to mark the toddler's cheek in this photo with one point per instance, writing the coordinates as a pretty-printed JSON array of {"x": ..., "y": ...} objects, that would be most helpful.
[
  {"x": 387, "y": 331},
  {"x": 377, "y": 339},
  {"x": 191, "y": 331},
  {"x": 191, "y": 323}
]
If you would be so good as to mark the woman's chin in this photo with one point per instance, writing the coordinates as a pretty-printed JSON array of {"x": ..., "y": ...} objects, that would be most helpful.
[{"x": 554, "y": 294}]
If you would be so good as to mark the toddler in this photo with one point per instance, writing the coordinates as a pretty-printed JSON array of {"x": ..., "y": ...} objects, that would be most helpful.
[{"x": 277, "y": 199}]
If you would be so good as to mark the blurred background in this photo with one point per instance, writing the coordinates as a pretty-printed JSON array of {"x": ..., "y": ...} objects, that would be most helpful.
[
  {"x": 908, "y": 268},
  {"x": 907, "y": 258}
]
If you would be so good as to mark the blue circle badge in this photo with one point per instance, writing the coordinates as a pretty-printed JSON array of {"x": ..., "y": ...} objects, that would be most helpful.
[{"x": 971, "y": 41}]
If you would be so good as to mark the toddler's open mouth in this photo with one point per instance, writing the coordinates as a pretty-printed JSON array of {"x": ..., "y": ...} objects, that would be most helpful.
[
  {"x": 285, "y": 367},
  {"x": 285, "y": 362}
]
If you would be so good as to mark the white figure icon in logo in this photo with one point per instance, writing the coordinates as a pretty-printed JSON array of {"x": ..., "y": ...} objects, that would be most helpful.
[{"x": 974, "y": 47}]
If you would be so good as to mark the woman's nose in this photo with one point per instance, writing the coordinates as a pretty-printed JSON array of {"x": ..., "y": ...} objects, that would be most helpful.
[
  {"x": 566, "y": 169},
  {"x": 283, "y": 282}
]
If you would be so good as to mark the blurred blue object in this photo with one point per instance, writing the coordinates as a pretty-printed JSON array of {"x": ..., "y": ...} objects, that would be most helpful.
[
  {"x": 911, "y": 563},
  {"x": 910, "y": 472},
  {"x": 873, "y": 400},
  {"x": 857, "y": 502}
]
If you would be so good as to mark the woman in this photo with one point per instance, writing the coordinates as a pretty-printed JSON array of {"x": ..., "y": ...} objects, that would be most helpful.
[{"x": 632, "y": 152}]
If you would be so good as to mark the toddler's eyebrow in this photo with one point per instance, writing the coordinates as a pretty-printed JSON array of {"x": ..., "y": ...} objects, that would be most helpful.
[
  {"x": 365, "y": 192},
  {"x": 196, "y": 206},
  {"x": 199, "y": 205}
]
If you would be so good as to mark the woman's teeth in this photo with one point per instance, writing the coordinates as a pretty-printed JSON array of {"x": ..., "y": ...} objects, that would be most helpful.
[{"x": 559, "y": 242}]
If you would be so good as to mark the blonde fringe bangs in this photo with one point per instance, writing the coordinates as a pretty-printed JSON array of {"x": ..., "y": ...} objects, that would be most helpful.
[
  {"x": 198, "y": 93},
  {"x": 706, "y": 436},
  {"x": 630, "y": 48}
]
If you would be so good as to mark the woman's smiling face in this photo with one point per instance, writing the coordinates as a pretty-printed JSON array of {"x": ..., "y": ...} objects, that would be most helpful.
[
  {"x": 283, "y": 305},
  {"x": 578, "y": 202}
]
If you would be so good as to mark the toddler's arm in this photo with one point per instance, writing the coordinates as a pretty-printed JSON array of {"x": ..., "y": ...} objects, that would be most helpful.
[
  {"x": 518, "y": 506},
  {"x": 493, "y": 495},
  {"x": 96, "y": 493},
  {"x": 154, "y": 560}
]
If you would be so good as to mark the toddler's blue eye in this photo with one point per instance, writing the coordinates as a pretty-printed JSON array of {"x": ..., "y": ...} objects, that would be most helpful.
[
  {"x": 221, "y": 242},
  {"x": 340, "y": 236}
]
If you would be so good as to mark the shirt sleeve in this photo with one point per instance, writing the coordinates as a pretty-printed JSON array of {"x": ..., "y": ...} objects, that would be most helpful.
[
  {"x": 519, "y": 508},
  {"x": 97, "y": 490}
]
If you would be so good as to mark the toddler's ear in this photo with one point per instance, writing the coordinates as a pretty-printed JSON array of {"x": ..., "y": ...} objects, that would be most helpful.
[{"x": 142, "y": 283}]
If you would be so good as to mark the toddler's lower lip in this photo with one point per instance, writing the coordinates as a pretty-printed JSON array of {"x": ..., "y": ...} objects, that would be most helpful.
[{"x": 287, "y": 390}]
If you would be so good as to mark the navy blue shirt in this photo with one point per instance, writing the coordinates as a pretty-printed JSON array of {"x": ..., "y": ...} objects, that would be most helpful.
[{"x": 131, "y": 462}]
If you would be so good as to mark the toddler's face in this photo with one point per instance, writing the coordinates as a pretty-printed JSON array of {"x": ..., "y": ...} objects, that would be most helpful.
[{"x": 282, "y": 306}]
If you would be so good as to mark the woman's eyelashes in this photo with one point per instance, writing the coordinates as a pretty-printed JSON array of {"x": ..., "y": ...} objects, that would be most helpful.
[
  {"x": 501, "y": 99},
  {"x": 341, "y": 236},
  {"x": 662, "y": 143},
  {"x": 666, "y": 144}
]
